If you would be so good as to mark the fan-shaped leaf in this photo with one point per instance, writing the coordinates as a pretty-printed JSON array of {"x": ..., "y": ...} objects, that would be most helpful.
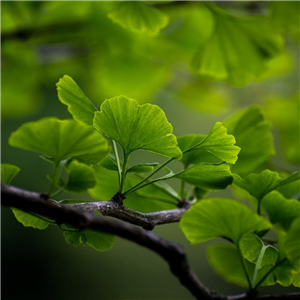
[
  {"x": 207, "y": 176},
  {"x": 253, "y": 134},
  {"x": 61, "y": 139},
  {"x": 8, "y": 172},
  {"x": 139, "y": 17},
  {"x": 259, "y": 185},
  {"x": 79, "y": 106},
  {"x": 137, "y": 127},
  {"x": 216, "y": 217}
]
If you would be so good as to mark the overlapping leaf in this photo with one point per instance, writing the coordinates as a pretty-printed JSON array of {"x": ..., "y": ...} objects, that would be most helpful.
[
  {"x": 207, "y": 176},
  {"x": 139, "y": 17},
  {"x": 61, "y": 139},
  {"x": 8, "y": 172},
  {"x": 259, "y": 185},
  {"x": 237, "y": 57},
  {"x": 79, "y": 106},
  {"x": 216, "y": 217},
  {"x": 253, "y": 134},
  {"x": 137, "y": 127},
  {"x": 100, "y": 241}
]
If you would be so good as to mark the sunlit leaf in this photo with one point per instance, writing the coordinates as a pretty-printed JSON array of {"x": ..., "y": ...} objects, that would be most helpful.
[
  {"x": 217, "y": 142},
  {"x": 137, "y": 127},
  {"x": 194, "y": 157},
  {"x": 100, "y": 241},
  {"x": 79, "y": 106},
  {"x": 207, "y": 176},
  {"x": 259, "y": 185},
  {"x": 30, "y": 220},
  {"x": 109, "y": 163},
  {"x": 139, "y": 17},
  {"x": 142, "y": 168},
  {"x": 296, "y": 280},
  {"x": 8, "y": 172},
  {"x": 216, "y": 217},
  {"x": 237, "y": 57},
  {"x": 281, "y": 210},
  {"x": 60, "y": 139},
  {"x": 81, "y": 177},
  {"x": 253, "y": 134}
]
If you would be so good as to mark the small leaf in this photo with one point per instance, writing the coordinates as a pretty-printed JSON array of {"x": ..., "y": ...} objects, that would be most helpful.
[
  {"x": 139, "y": 17},
  {"x": 219, "y": 143},
  {"x": 8, "y": 172},
  {"x": 61, "y": 139},
  {"x": 137, "y": 127},
  {"x": 253, "y": 134},
  {"x": 216, "y": 217},
  {"x": 81, "y": 177},
  {"x": 197, "y": 156},
  {"x": 142, "y": 168},
  {"x": 296, "y": 280},
  {"x": 79, "y": 106},
  {"x": 259, "y": 185},
  {"x": 281, "y": 210},
  {"x": 100, "y": 241},
  {"x": 226, "y": 262},
  {"x": 30, "y": 220},
  {"x": 109, "y": 163},
  {"x": 292, "y": 245},
  {"x": 207, "y": 177}
]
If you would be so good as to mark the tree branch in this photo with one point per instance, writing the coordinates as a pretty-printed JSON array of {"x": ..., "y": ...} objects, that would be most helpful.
[{"x": 171, "y": 252}]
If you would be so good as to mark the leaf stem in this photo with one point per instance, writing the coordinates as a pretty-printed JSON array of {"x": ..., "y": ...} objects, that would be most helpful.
[
  {"x": 138, "y": 186},
  {"x": 56, "y": 173},
  {"x": 258, "y": 263},
  {"x": 245, "y": 268},
  {"x": 123, "y": 174},
  {"x": 118, "y": 161}
]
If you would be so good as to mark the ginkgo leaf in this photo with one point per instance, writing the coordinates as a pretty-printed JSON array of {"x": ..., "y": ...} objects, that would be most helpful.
[
  {"x": 237, "y": 57},
  {"x": 79, "y": 106},
  {"x": 60, "y": 139},
  {"x": 280, "y": 209},
  {"x": 139, "y": 17},
  {"x": 81, "y": 177},
  {"x": 8, "y": 172},
  {"x": 142, "y": 168},
  {"x": 100, "y": 241},
  {"x": 219, "y": 143},
  {"x": 195, "y": 157},
  {"x": 137, "y": 127},
  {"x": 259, "y": 185},
  {"x": 216, "y": 217},
  {"x": 253, "y": 134},
  {"x": 30, "y": 219},
  {"x": 207, "y": 176}
]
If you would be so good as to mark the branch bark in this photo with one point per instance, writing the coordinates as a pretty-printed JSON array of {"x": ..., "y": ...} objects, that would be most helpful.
[{"x": 171, "y": 252}]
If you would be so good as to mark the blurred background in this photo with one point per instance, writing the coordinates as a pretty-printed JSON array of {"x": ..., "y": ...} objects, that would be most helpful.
[{"x": 199, "y": 61}]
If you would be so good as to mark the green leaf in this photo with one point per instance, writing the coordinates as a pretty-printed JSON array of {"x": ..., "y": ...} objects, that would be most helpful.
[
  {"x": 281, "y": 210},
  {"x": 142, "y": 168},
  {"x": 61, "y": 139},
  {"x": 291, "y": 243},
  {"x": 207, "y": 176},
  {"x": 139, "y": 17},
  {"x": 81, "y": 177},
  {"x": 253, "y": 134},
  {"x": 218, "y": 217},
  {"x": 100, "y": 241},
  {"x": 30, "y": 219},
  {"x": 251, "y": 246},
  {"x": 226, "y": 262},
  {"x": 109, "y": 163},
  {"x": 197, "y": 156},
  {"x": 8, "y": 172},
  {"x": 237, "y": 57},
  {"x": 259, "y": 185},
  {"x": 296, "y": 280},
  {"x": 79, "y": 106},
  {"x": 137, "y": 127},
  {"x": 220, "y": 144}
]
